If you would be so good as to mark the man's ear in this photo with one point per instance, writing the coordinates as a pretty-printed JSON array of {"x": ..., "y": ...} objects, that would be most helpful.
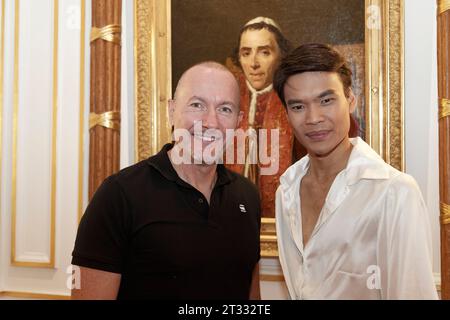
[
  {"x": 351, "y": 100},
  {"x": 171, "y": 107}
]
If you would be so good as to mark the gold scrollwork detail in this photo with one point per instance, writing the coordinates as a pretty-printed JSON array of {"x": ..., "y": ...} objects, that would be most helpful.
[
  {"x": 110, "y": 119},
  {"x": 443, "y": 5},
  {"x": 144, "y": 90},
  {"x": 269, "y": 247},
  {"x": 445, "y": 213},
  {"x": 109, "y": 33},
  {"x": 444, "y": 108},
  {"x": 395, "y": 126}
]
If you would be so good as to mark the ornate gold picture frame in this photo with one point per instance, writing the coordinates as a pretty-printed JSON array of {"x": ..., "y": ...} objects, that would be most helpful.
[{"x": 383, "y": 85}]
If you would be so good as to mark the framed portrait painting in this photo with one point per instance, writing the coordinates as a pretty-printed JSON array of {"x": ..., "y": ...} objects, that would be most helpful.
[{"x": 172, "y": 35}]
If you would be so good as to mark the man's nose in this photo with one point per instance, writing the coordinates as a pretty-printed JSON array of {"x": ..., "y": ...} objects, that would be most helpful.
[
  {"x": 210, "y": 119},
  {"x": 255, "y": 61},
  {"x": 313, "y": 115}
]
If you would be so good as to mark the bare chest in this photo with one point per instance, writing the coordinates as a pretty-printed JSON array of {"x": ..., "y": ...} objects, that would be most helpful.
[{"x": 313, "y": 196}]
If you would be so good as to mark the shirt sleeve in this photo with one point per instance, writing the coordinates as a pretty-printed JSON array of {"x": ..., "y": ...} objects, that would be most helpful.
[
  {"x": 404, "y": 248},
  {"x": 102, "y": 239}
]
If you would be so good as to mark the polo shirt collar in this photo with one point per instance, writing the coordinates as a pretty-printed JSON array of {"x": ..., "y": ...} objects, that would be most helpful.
[{"x": 162, "y": 164}]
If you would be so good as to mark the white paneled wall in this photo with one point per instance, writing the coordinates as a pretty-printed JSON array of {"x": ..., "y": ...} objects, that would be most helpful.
[
  {"x": 421, "y": 101},
  {"x": 34, "y": 134},
  {"x": 40, "y": 145},
  {"x": 51, "y": 116}
]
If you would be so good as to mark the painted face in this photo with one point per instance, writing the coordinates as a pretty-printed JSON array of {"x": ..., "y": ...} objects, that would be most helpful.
[
  {"x": 259, "y": 56},
  {"x": 205, "y": 106},
  {"x": 318, "y": 110}
]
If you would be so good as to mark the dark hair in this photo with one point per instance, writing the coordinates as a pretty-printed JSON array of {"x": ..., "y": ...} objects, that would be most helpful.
[
  {"x": 283, "y": 43},
  {"x": 309, "y": 58}
]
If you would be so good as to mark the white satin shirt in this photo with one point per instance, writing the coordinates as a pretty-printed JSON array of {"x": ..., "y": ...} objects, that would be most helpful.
[{"x": 372, "y": 239}]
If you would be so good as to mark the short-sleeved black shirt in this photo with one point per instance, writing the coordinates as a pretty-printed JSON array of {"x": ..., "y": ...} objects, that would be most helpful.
[{"x": 164, "y": 238}]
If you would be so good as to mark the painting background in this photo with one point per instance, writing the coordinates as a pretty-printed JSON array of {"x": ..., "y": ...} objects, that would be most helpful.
[{"x": 208, "y": 30}]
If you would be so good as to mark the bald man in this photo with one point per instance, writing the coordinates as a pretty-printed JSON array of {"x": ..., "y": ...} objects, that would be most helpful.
[{"x": 177, "y": 225}]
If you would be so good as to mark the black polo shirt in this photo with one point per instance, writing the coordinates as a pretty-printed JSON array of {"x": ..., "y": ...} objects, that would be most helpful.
[{"x": 164, "y": 238}]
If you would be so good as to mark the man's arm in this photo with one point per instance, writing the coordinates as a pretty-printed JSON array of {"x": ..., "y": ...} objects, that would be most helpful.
[
  {"x": 404, "y": 249},
  {"x": 97, "y": 285},
  {"x": 255, "y": 292}
]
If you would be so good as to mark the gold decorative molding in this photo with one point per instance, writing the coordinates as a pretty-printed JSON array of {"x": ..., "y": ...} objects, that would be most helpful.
[
  {"x": 445, "y": 213},
  {"x": 395, "y": 85},
  {"x": 444, "y": 108},
  {"x": 143, "y": 83},
  {"x": 82, "y": 108},
  {"x": 51, "y": 263},
  {"x": 385, "y": 79},
  {"x": 14, "y": 128},
  {"x": 14, "y": 261},
  {"x": 110, "y": 120},
  {"x": 153, "y": 75},
  {"x": 443, "y": 6},
  {"x": 110, "y": 33},
  {"x": 269, "y": 246},
  {"x": 2, "y": 64}
]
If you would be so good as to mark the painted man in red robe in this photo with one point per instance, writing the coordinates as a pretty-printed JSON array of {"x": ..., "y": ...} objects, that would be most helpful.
[{"x": 261, "y": 47}]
